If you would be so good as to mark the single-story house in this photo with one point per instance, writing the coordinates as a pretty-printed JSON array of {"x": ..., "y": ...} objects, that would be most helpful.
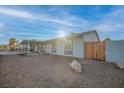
[{"x": 71, "y": 45}]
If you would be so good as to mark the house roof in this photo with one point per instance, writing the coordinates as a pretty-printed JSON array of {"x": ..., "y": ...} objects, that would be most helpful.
[{"x": 74, "y": 35}]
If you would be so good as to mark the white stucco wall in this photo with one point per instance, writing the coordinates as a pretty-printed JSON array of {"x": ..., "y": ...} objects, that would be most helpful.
[
  {"x": 90, "y": 37},
  {"x": 60, "y": 47},
  {"x": 77, "y": 48},
  {"x": 48, "y": 47},
  {"x": 78, "y": 45}
]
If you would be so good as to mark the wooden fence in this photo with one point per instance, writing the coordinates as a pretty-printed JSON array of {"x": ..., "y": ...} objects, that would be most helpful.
[{"x": 94, "y": 50}]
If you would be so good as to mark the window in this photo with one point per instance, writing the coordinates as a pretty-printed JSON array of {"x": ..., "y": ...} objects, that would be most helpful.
[
  {"x": 68, "y": 47},
  {"x": 54, "y": 47}
]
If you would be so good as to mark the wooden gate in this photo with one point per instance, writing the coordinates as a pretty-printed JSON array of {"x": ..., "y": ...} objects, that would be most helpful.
[{"x": 94, "y": 50}]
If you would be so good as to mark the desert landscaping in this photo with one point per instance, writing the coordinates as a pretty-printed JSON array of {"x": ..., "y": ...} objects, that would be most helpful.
[{"x": 53, "y": 71}]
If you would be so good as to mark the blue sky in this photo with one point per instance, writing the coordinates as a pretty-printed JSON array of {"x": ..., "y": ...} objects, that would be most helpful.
[{"x": 46, "y": 22}]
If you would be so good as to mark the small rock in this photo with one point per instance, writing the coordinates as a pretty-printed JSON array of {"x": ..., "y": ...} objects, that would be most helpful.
[
  {"x": 96, "y": 73},
  {"x": 75, "y": 65},
  {"x": 85, "y": 83},
  {"x": 120, "y": 81}
]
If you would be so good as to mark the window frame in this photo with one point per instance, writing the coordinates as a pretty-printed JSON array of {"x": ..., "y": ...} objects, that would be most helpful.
[
  {"x": 54, "y": 47},
  {"x": 67, "y": 46}
]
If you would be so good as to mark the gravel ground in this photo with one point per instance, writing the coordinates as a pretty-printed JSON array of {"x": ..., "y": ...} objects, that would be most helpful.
[{"x": 53, "y": 71}]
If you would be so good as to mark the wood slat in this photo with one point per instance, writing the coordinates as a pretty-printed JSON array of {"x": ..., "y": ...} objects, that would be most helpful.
[{"x": 94, "y": 50}]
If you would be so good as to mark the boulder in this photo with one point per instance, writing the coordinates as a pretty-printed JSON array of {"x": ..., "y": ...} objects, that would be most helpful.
[
  {"x": 76, "y": 66},
  {"x": 121, "y": 66}
]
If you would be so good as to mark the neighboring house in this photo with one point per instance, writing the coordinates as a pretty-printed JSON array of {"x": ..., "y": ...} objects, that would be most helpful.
[
  {"x": 33, "y": 45},
  {"x": 71, "y": 45}
]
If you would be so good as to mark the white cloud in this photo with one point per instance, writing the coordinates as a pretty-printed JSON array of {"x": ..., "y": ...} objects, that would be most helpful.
[
  {"x": 110, "y": 22},
  {"x": 59, "y": 21},
  {"x": 24, "y": 33},
  {"x": 28, "y": 34},
  {"x": 107, "y": 26},
  {"x": 1, "y": 35},
  {"x": 2, "y": 26},
  {"x": 65, "y": 19},
  {"x": 16, "y": 13},
  {"x": 117, "y": 13}
]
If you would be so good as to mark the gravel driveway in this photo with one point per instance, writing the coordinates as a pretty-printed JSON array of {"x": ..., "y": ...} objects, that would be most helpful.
[{"x": 53, "y": 71}]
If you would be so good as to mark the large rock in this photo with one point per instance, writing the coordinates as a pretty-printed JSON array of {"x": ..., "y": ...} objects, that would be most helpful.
[
  {"x": 75, "y": 65},
  {"x": 121, "y": 66}
]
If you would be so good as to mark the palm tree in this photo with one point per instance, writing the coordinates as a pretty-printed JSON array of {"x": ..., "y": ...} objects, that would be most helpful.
[{"x": 12, "y": 44}]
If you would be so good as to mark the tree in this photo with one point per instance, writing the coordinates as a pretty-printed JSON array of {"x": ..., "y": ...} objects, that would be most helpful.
[
  {"x": 12, "y": 44},
  {"x": 107, "y": 39}
]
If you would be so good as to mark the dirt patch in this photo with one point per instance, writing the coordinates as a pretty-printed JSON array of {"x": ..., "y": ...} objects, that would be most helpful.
[{"x": 53, "y": 71}]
